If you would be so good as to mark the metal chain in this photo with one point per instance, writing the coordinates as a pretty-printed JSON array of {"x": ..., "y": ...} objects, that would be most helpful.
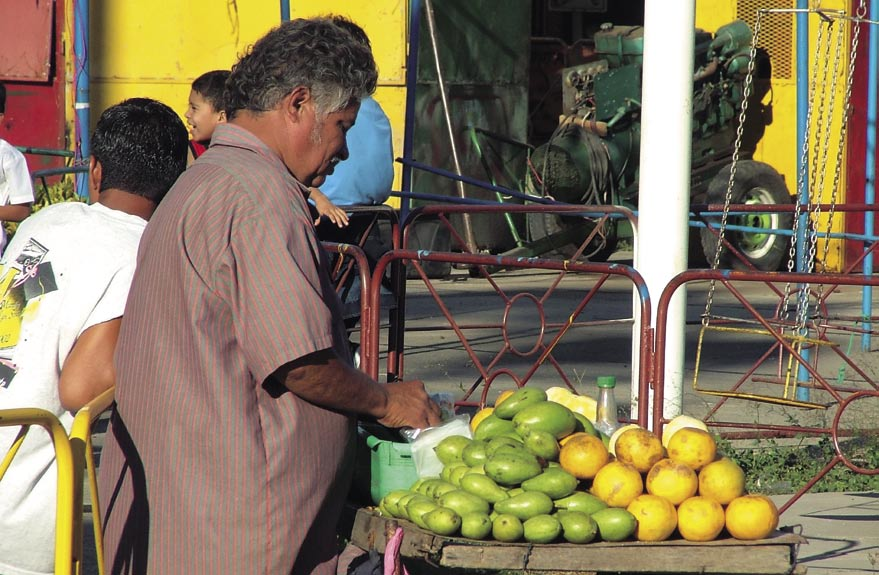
[
  {"x": 843, "y": 129},
  {"x": 740, "y": 130}
]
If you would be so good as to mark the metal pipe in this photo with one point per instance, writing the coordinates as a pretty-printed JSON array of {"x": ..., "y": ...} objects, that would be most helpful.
[
  {"x": 666, "y": 150},
  {"x": 870, "y": 166},
  {"x": 469, "y": 238},
  {"x": 285, "y": 10},
  {"x": 411, "y": 83},
  {"x": 802, "y": 43},
  {"x": 81, "y": 77}
]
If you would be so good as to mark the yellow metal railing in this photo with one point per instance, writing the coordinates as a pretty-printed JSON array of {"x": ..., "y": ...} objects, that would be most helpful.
[{"x": 64, "y": 505}]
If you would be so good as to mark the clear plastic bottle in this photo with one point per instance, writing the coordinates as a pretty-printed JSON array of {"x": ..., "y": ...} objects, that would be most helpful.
[{"x": 606, "y": 413}]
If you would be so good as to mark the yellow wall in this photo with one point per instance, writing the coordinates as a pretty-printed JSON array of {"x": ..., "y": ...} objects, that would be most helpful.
[
  {"x": 157, "y": 49},
  {"x": 779, "y": 147}
]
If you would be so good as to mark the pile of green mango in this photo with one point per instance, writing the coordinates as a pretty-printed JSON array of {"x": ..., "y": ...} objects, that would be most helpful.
[{"x": 505, "y": 483}]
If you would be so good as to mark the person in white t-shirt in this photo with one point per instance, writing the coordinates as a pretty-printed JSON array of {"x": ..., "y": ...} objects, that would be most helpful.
[
  {"x": 64, "y": 281},
  {"x": 16, "y": 188}
]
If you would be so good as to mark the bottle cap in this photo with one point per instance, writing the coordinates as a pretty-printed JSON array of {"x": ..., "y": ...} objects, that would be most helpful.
[{"x": 606, "y": 381}]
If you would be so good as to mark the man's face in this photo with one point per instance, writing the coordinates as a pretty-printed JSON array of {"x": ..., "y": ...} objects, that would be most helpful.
[
  {"x": 201, "y": 117},
  {"x": 327, "y": 145}
]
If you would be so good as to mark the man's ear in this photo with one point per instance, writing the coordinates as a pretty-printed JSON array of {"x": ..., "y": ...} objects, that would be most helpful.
[
  {"x": 296, "y": 101},
  {"x": 96, "y": 172}
]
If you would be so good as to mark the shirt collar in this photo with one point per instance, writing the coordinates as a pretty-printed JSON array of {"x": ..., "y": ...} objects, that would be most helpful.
[{"x": 232, "y": 135}]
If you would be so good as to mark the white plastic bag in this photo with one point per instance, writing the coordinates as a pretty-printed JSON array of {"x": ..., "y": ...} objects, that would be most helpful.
[{"x": 427, "y": 464}]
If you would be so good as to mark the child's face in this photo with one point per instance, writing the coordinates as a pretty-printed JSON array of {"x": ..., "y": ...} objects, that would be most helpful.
[{"x": 202, "y": 118}]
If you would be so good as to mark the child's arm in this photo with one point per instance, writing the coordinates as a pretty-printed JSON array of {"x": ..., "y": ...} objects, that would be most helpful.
[
  {"x": 14, "y": 212},
  {"x": 327, "y": 208}
]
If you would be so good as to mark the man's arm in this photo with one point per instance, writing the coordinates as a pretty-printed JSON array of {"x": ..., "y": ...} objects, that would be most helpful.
[
  {"x": 88, "y": 369},
  {"x": 14, "y": 212},
  {"x": 323, "y": 379}
]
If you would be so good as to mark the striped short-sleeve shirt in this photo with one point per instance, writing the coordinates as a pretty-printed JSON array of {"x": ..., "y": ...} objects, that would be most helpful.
[{"x": 210, "y": 464}]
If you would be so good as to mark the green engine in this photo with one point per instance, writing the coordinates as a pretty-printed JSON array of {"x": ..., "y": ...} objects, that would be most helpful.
[{"x": 593, "y": 155}]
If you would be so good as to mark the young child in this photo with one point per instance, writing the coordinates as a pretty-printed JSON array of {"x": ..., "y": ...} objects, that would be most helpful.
[
  {"x": 205, "y": 109},
  {"x": 16, "y": 188}
]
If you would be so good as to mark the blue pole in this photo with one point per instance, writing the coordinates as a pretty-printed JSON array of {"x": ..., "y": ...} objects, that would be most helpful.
[
  {"x": 870, "y": 166},
  {"x": 81, "y": 103},
  {"x": 411, "y": 83},
  {"x": 802, "y": 114},
  {"x": 285, "y": 10}
]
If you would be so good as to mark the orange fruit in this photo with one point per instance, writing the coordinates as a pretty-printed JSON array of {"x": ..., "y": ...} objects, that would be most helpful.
[
  {"x": 656, "y": 516},
  {"x": 722, "y": 480},
  {"x": 751, "y": 517},
  {"x": 700, "y": 519},
  {"x": 678, "y": 423},
  {"x": 672, "y": 480},
  {"x": 573, "y": 436},
  {"x": 479, "y": 416},
  {"x": 695, "y": 447},
  {"x": 504, "y": 395},
  {"x": 617, "y": 484},
  {"x": 639, "y": 448},
  {"x": 616, "y": 435},
  {"x": 583, "y": 455}
]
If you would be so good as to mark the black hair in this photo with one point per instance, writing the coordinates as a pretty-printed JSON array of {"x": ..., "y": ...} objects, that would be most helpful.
[
  {"x": 2, "y": 98},
  {"x": 314, "y": 53},
  {"x": 352, "y": 28},
  {"x": 211, "y": 86},
  {"x": 142, "y": 146}
]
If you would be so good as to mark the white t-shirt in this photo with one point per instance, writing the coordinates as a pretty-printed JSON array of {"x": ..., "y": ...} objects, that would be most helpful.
[
  {"x": 15, "y": 181},
  {"x": 67, "y": 268}
]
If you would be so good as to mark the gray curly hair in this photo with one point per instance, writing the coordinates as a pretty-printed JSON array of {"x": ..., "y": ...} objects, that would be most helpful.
[{"x": 312, "y": 52}]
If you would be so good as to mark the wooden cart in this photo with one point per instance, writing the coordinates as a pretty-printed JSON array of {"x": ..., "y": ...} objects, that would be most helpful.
[{"x": 428, "y": 553}]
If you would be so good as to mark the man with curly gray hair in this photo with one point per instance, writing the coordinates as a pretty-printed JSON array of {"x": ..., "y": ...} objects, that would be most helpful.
[{"x": 230, "y": 447}]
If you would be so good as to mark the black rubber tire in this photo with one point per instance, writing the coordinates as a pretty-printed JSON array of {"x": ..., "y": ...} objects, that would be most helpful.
[
  {"x": 541, "y": 225},
  {"x": 755, "y": 183}
]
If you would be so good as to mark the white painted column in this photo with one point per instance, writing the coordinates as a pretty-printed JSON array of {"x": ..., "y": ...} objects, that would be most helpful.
[{"x": 664, "y": 195}]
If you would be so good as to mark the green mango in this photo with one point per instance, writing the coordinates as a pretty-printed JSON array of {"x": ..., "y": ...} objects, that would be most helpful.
[
  {"x": 556, "y": 483},
  {"x": 577, "y": 527},
  {"x": 507, "y": 528},
  {"x": 614, "y": 523},
  {"x": 519, "y": 400},
  {"x": 526, "y": 505},
  {"x": 417, "y": 508},
  {"x": 511, "y": 470},
  {"x": 483, "y": 486},
  {"x": 493, "y": 426},
  {"x": 515, "y": 450},
  {"x": 546, "y": 416},
  {"x": 442, "y": 521},
  {"x": 541, "y": 529},
  {"x": 475, "y": 525},
  {"x": 480, "y": 469},
  {"x": 475, "y": 453},
  {"x": 457, "y": 473},
  {"x": 543, "y": 444},
  {"x": 581, "y": 501},
  {"x": 440, "y": 488},
  {"x": 451, "y": 448},
  {"x": 584, "y": 425},
  {"x": 496, "y": 443},
  {"x": 403, "y": 503},
  {"x": 447, "y": 469},
  {"x": 391, "y": 500},
  {"x": 462, "y": 502}
]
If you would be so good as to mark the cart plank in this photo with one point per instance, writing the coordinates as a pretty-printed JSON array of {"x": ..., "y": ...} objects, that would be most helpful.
[{"x": 773, "y": 556}]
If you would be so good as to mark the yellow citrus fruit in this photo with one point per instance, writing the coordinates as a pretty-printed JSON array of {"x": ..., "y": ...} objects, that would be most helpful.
[
  {"x": 700, "y": 519},
  {"x": 751, "y": 517},
  {"x": 504, "y": 395},
  {"x": 479, "y": 416},
  {"x": 672, "y": 480},
  {"x": 617, "y": 484},
  {"x": 582, "y": 404},
  {"x": 558, "y": 394},
  {"x": 639, "y": 448},
  {"x": 573, "y": 436},
  {"x": 678, "y": 423},
  {"x": 656, "y": 516},
  {"x": 614, "y": 437},
  {"x": 695, "y": 447},
  {"x": 582, "y": 456},
  {"x": 722, "y": 480}
]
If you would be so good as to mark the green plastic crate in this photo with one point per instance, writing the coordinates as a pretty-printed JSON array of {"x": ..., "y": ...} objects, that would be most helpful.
[{"x": 384, "y": 463}]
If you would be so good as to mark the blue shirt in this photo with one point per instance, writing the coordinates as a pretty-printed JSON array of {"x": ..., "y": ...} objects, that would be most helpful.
[{"x": 365, "y": 178}]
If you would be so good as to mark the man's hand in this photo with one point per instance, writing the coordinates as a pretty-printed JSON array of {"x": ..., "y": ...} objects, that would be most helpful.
[{"x": 409, "y": 405}]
